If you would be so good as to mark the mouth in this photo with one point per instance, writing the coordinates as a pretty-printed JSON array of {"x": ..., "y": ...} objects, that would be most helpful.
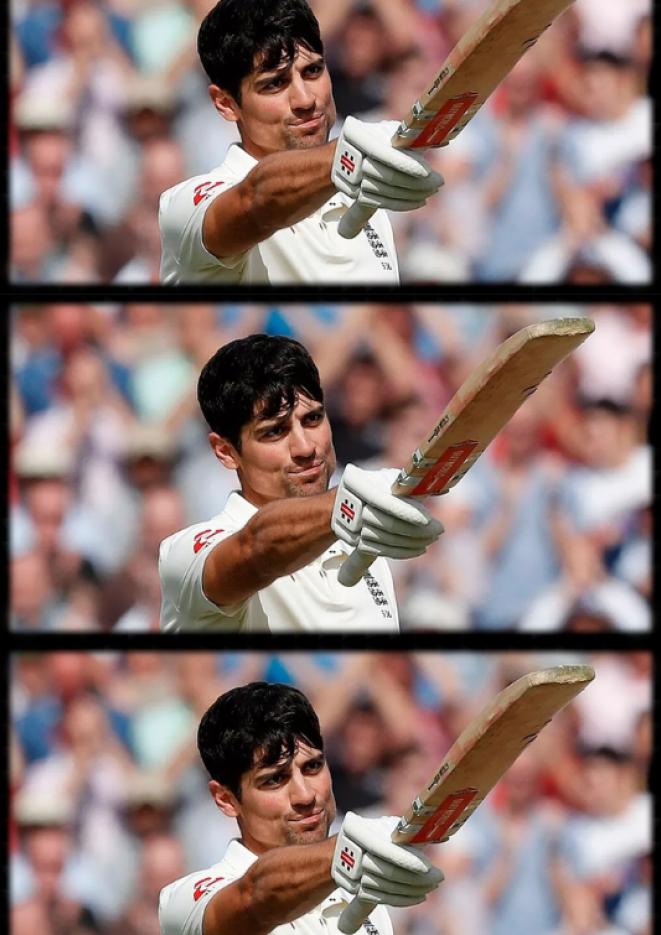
[
  {"x": 310, "y": 472},
  {"x": 308, "y": 821},
  {"x": 312, "y": 123}
]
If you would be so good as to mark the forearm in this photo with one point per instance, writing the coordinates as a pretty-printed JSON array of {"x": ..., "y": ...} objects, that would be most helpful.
[
  {"x": 282, "y": 537},
  {"x": 286, "y": 187},
  {"x": 282, "y": 885},
  {"x": 287, "y": 534},
  {"x": 282, "y": 189},
  {"x": 290, "y": 881}
]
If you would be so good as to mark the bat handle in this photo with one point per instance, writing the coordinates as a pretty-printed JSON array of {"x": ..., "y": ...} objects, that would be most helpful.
[
  {"x": 353, "y": 220},
  {"x": 353, "y": 915},
  {"x": 354, "y": 567}
]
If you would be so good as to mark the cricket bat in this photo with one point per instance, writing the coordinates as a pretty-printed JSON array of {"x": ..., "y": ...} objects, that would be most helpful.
[
  {"x": 475, "y": 762},
  {"x": 480, "y": 408},
  {"x": 481, "y": 59}
]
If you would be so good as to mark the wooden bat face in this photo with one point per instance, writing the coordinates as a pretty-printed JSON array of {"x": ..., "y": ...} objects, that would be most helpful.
[
  {"x": 486, "y": 749},
  {"x": 482, "y": 58},
  {"x": 486, "y": 402}
]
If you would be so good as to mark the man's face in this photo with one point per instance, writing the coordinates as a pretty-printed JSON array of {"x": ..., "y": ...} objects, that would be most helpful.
[
  {"x": 287, "y": 455},
  {"x": 289, "y": 802},
  {"x": 288, "y": 107}
]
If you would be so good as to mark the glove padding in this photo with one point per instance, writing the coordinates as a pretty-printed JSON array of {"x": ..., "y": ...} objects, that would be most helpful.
[
  {"x": 367, "y": 516},
  {"x": 369, "y": 865},
  {"x": 371, "y": 171}
]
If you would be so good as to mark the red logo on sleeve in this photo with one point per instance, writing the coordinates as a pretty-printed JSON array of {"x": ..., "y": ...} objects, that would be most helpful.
[
  {"x": 202, "y": 539},
  {"x": 203, "y": 191},
  {"x": 204, "y": 886}
]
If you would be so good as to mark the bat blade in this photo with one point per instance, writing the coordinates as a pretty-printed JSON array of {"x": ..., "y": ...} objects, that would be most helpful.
[
  {"x": 482, "y": 58},
  {"x": 479, "y": 757},
  {"x": 480, "y": 408},
  {"x": 486, "y": 402},
  {"x": 486, "y": 749}
]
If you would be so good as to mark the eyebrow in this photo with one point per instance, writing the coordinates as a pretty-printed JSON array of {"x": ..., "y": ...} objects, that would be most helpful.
[
  {"x": 285, "y": 65},
  {"x": 279, "y": 418}
]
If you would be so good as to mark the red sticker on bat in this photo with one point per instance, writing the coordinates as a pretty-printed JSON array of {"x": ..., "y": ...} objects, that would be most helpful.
[
  {"x": 447, "y": 813},
  {"x": 443, "y": 123},
  {"x": 440, "y": 475}
]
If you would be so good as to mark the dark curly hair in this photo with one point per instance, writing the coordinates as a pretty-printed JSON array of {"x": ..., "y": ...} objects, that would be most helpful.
[
  {"x": 261, "y": 369},
  {"x": 234, "y": 32},
  {"x": 259, "y": 718}
]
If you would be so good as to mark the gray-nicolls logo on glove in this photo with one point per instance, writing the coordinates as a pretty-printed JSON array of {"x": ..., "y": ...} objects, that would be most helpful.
[{"x": 348, "y": 512}]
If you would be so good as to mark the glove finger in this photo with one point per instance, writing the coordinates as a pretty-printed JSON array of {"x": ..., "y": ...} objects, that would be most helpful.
[
  {"x": 376, "y": 519},
  {"x": 381, "y": 190},
  {"x": 362, "y": 485},
  {"x": 372, "y": 140},
  {"x": 380, "y": 538},
  {"x": 342, "y": 185},
  {"x": 390, "y": 899},
  {"x": 380, "y": 174},
  {"x": 379, "y": 868},
  {"x": 389, "y": 551},
  {"x": 394, "y": 887},
  {"x": 389, "y": 204}
]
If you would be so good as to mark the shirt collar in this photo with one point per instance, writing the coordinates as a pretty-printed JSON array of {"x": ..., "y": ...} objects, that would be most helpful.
[
  {"x": 238, "y": 858},
  {"x": 238, "y": 508}
]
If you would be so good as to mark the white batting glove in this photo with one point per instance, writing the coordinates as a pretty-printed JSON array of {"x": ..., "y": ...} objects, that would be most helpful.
[
  {"x": 370, "y": 518},
  {"x": 368, "y": 864},
  {"x": 370, "y": 170}
]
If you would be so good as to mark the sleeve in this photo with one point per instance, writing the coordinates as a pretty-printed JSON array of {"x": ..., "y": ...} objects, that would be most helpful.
[
  {"x": 181, "y": 218},
  {"x": 182, "y": 904},
  {"x": 181, "y": 566}
]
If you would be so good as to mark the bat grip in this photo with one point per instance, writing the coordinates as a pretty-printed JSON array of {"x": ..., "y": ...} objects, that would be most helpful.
[
  {"x": 353, "y": 220},
  {"x": 354, "y": 567},
  {"x": 353, "y": 915}
]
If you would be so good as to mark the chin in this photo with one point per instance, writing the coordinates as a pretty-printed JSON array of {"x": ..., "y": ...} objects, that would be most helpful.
[
  {"x": 309, "y": 140},
  {"x": 313, "y": 836}
]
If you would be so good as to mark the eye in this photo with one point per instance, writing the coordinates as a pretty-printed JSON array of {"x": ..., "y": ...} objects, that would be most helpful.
[
  {"x": 273, "y": 780},
  {"x": 274, "y": 84},
  {"x": 315, "y": 766}
]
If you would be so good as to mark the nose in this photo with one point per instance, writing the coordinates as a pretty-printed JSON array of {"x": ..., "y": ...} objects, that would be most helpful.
[
  {"x": 301, "y": 791},
  {"x": 301, "y": 443},
  {"x": 301, "y": 95}
]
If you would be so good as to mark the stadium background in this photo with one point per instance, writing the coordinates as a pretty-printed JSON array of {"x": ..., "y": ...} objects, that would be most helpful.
[
  {"x": 109, "y": 801},
  {"x": 551, "y": 531},
  {"x": 550, "y": 183}
]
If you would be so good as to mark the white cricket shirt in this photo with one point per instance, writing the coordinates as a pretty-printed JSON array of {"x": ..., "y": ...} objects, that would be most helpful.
[
  {"x": 182, "y": 904},
  {"x": 309, "y": 600},
  {"x": 311, "y": 251}
]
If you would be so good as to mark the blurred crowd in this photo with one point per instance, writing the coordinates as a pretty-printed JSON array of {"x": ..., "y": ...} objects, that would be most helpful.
[
  {"x": 550, "y": 183},
  {"x": 109, "y": 801},
  {"x": 550, "y": 531}
]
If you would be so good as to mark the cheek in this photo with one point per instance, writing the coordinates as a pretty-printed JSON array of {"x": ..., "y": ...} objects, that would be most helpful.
[{"x": 268, "y": 112}]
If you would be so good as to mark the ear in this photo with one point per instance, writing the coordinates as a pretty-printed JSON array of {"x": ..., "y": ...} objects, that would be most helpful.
[
  {"x": 224, "y": 103},
  {"x": 224, "y": 799},
  {"x": 225, "y": 451}
]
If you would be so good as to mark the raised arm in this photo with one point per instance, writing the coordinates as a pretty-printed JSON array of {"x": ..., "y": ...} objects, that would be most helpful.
[
  {"x": 285, "y": 535},
  {"x": 282, "y": 537},
  {"x": 281, "y": 885},
  {"x": 282, "y": 189},
  {"x": 285, "y": 883}
]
